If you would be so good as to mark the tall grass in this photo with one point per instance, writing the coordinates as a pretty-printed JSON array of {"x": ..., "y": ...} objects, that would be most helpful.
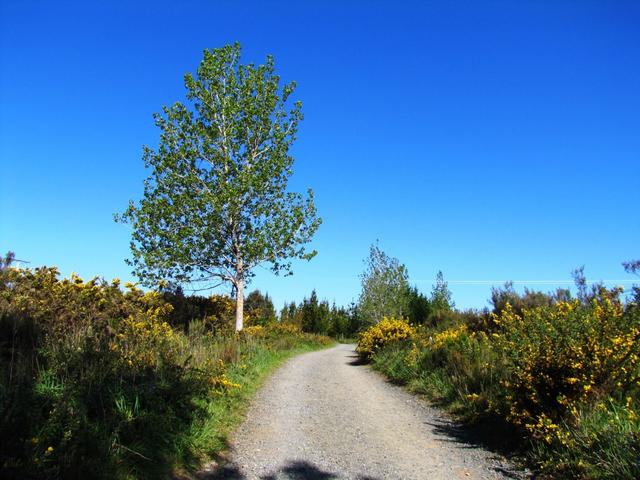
[{"x": 95, "y": 383}]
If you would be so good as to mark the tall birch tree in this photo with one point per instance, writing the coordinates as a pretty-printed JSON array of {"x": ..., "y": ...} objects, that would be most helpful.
[{"x": 216, "y": 203}]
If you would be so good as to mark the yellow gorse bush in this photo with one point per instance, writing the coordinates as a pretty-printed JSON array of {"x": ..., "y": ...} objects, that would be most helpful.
[
  {"x": 412, "y": 356},
  {"x": 381, "y": 334},
  {"x": 567, "y": 371},
  {"x": 566, "y": 356},
  {"x": 253, "y": 331},
  {"x": 271, "y": 329},
  {"x": 96, "y": 370},
  {"x": 448, "y": 336},
  {"x": 285, "y": 328},
  {"x": 141, "y": 339},
  {"x": 218, "y": 378}
]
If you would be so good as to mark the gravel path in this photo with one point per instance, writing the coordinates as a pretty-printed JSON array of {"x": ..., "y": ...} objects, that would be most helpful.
[{"x": 325, "y": 416}]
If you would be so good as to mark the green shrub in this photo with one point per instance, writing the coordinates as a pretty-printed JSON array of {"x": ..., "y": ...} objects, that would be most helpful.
[
  {"x": 563, "y": 357},
  {"x": 601, "y": 442},
  {"x": 393, "y": 361},
  {"x": 95, "y": 383},
  {"x": 566, "y": 373}
]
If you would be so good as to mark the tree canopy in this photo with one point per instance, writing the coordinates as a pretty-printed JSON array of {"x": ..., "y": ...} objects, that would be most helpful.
[
  {"x": 441, "y": 298},
  {"x": 216, "y": 204},
  {"x": 385, "y": 284},
  {"x": 259, "y": 308}
]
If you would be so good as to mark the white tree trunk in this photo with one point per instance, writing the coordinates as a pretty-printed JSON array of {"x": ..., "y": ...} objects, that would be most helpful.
[{"x": 239, "y": 303}]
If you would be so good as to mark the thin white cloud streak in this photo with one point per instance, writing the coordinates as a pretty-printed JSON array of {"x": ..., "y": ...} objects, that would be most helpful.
[{"x": 530, "y": 282}]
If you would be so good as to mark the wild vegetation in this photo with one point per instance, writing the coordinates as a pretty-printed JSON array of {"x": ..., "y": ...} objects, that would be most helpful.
[
  {"x": 317, "y": 316},
  {"x": 101, "y": 382},
  {"x": 563, "y": 372},
  {"x": 97, "y": 382},
  {"x": 216, "y": 204}
]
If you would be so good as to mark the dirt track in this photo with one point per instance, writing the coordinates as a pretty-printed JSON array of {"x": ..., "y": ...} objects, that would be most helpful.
[{"x": 323, "y": 415}]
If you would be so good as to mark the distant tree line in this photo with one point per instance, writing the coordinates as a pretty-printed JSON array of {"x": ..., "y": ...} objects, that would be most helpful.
[{"x": 317, "y": 316}]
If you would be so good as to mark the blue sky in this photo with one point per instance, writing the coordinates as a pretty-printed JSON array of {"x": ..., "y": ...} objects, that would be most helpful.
[{"x": 491, "y": 140}]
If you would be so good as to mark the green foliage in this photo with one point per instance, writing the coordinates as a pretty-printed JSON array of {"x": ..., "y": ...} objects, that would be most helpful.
[
  {"x": 392, "y": 361},
  {"x": 74, "y": 355},
  {"x": 95, "y": 383},
  {"x": 216, "y": 204},
  {"x": 566, "y": 356},
  {"x": 316, "y": 316},
  {"x": 289, "y": 314},
  {"x": 259, "y": 309},
  {"x": 633, "y": 267},
  {"x": 7, "y": 260},
  {"x": 507, "y": 295},
  {"x": 441, "y": 295},
  {"x": 562, "y": 373},
  {"x": 386, "y": 293},
  {"x": 341, "y": 323},
  {"x": 385, "y": 288},
  {"x": 419, "y": 308},
  {"x": 604, "y": 444},
  {"x": 215, "y": 311}
]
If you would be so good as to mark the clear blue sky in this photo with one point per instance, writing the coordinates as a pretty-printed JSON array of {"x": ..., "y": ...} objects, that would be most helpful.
[{"x": 492, "y": 140}]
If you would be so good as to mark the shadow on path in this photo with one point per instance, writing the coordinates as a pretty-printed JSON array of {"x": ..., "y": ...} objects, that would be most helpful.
[
  {"x": 492, "y": 434},
  {"x": 356, "y": 360},
  {"x": 293, "y": 470}
]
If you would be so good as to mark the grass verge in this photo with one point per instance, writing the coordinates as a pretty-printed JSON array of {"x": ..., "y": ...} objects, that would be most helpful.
[{"x": 254, "y": 360}]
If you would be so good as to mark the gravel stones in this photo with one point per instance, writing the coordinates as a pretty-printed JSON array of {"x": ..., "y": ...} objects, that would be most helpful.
[{"x": 323, "y": 415}]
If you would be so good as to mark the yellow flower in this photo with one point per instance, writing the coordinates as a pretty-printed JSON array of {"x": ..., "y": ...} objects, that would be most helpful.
[{"x": 382, "y": 333}]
